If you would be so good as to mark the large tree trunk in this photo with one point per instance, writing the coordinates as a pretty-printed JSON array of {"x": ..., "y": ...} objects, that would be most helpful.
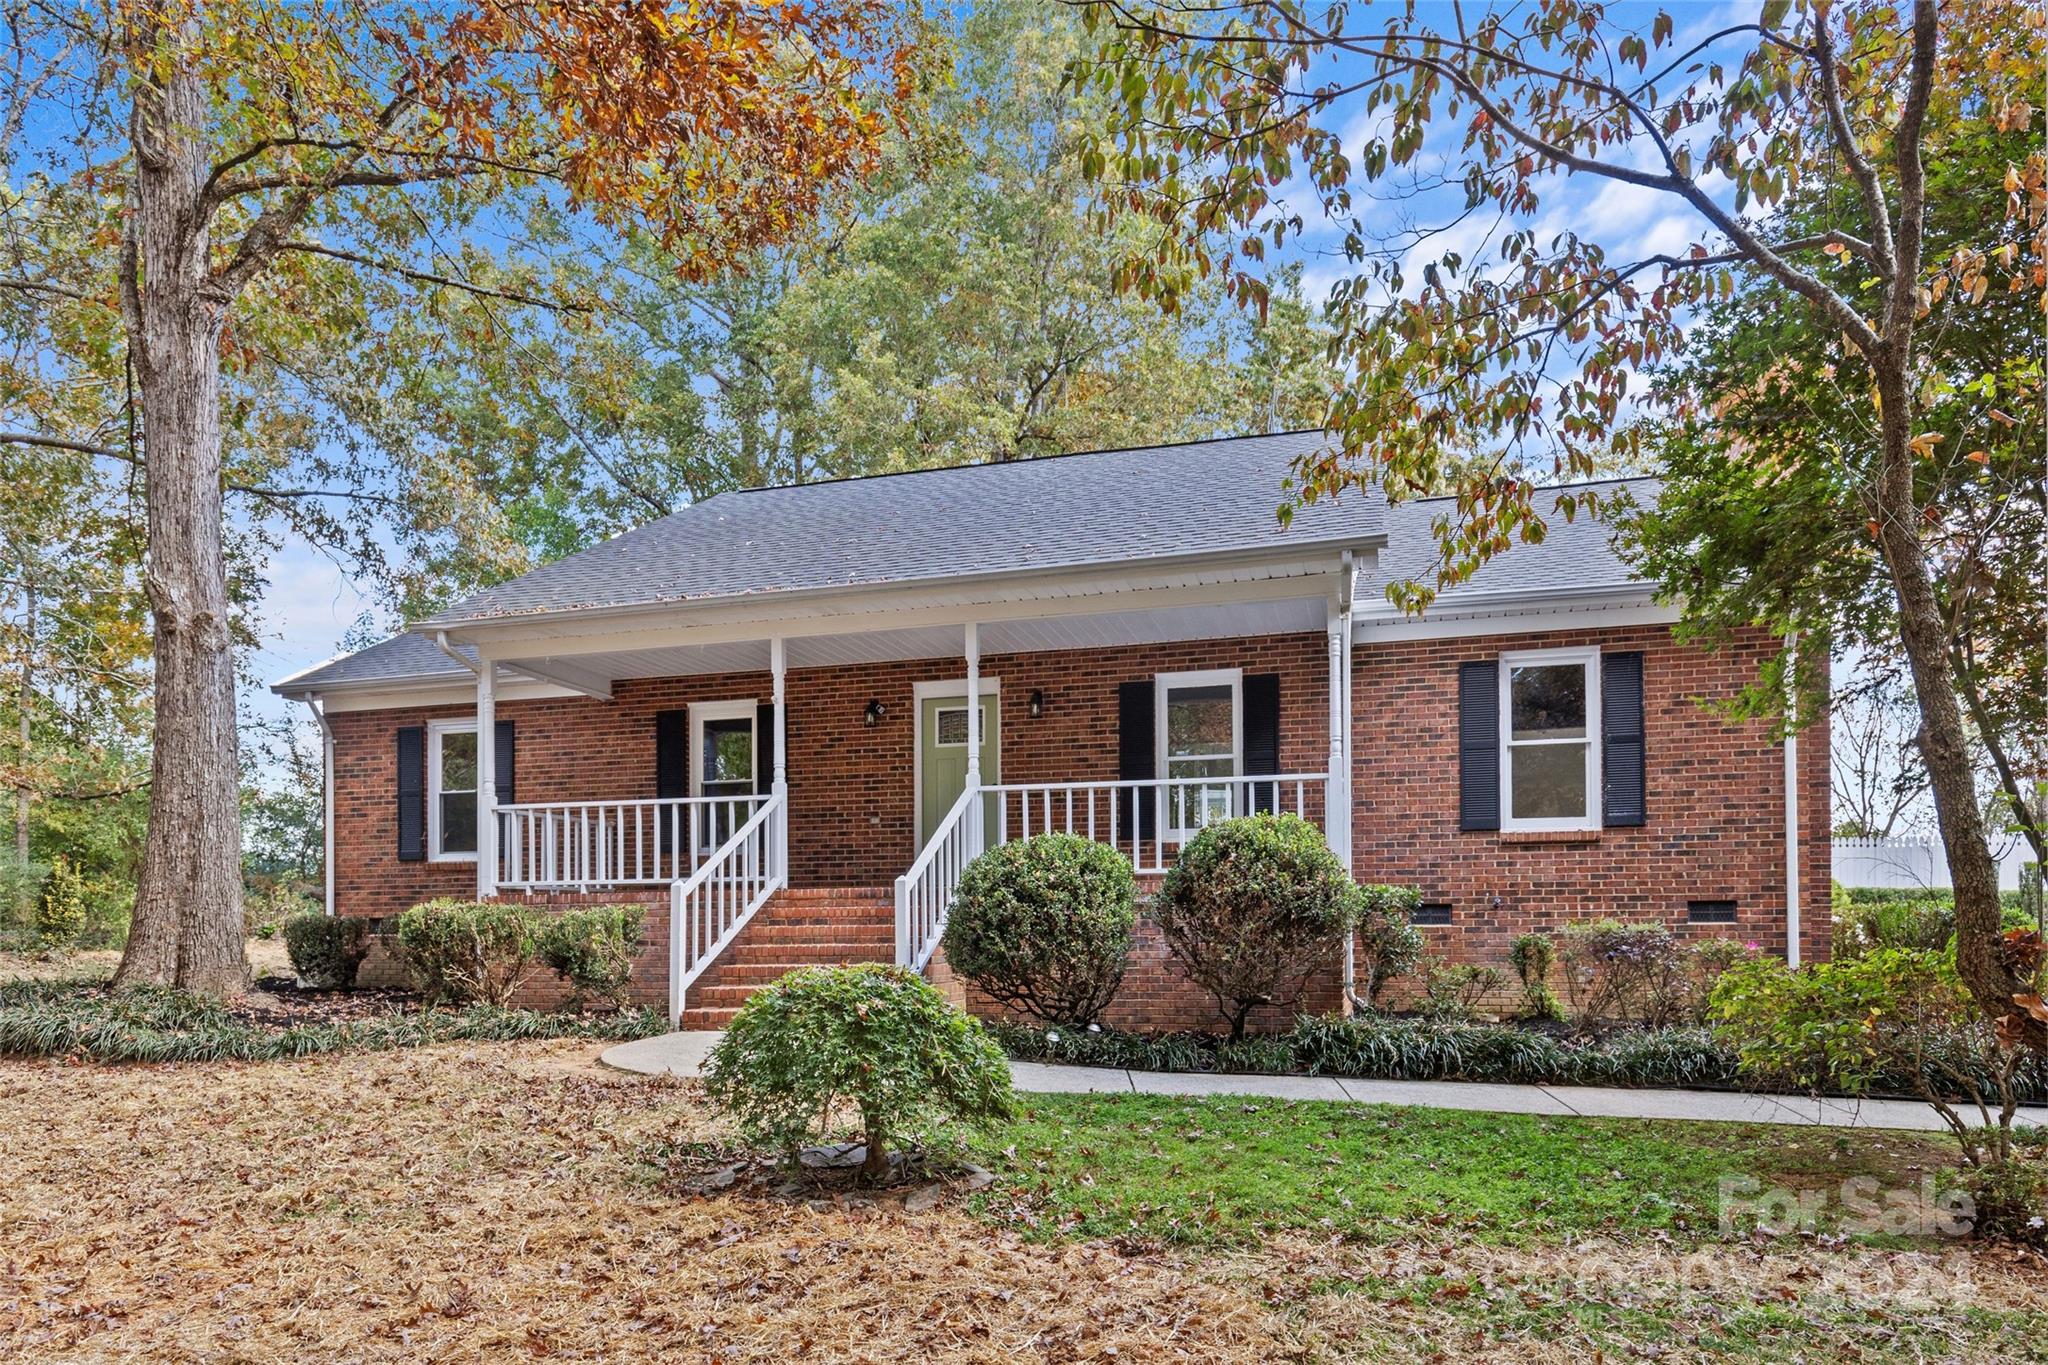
[
  {"x": 1944, "y": 740},
  {"x": 187, "y": 929}
]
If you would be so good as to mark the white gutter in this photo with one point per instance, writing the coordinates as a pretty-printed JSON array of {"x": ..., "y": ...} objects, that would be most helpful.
[
  {"x": 313, "y": 704},
  {"x": 1791, "y": 803},
  {"x": 440, "y": 639}
]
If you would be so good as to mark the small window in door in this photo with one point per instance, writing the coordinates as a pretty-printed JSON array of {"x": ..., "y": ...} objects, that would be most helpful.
[{"x": 949, "y": 726}]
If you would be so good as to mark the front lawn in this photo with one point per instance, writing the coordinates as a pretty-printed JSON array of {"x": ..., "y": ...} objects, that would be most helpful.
[
  {"x": 480, "y": 1202},
  {"x": 1233, "y": 1170}
]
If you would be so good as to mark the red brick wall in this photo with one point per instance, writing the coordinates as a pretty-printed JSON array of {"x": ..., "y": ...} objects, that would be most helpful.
[
  {"x": 1715, "y": 790},
  {"x": 1715, "y": 794},
  {"x": 852, "y": 816}
]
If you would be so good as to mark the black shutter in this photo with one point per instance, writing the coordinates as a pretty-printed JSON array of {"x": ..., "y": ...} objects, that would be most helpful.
[
  {"x": 671, "y": 764},
  {"x": 1621, "y": 739},
  {"x": 764, "y": 748},
  {"x": 501, "y": 749},
  {"x": 1479, "y": 745},
  {"x": 412, "y": 793},
  {"x": 1262, "y": 735},
  {"x": 1135, "y": 760}
]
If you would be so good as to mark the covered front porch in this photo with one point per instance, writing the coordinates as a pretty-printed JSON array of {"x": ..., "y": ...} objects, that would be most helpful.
[{"x": 726, "y": 761}]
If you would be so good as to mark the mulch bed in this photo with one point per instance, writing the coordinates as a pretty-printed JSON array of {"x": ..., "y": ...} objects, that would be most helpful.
[{"x": 279, "y": 1002}]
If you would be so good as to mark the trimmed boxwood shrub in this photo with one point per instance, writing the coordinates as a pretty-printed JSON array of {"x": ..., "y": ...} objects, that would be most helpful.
[
  {"x": 326, "y": 950},
  {"x": 1253, "y": 909},
  {"x": 880, "y": 1039},
  {"x": 593, "y": 950},
  {"x": 463, "y": 951},
  {"x": 1044, "y": 924}
]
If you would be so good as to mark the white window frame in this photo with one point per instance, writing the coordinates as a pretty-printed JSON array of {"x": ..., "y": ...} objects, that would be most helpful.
[
  {"x": 746, "y": 709},
  {"x": 1162, "y": 684},
  {"x": 435, "y": 730},
  {"x": 1588, "y": 658}
]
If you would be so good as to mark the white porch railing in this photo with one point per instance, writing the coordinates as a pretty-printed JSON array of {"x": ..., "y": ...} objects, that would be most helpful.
[
  {"x": 614, "y": 843},
  {"x": 924, "y": 894},
  {"x": 1114, "y": 813},
  {"x": 709, "y": 908},
  {"x": 1148, "y": 821}
]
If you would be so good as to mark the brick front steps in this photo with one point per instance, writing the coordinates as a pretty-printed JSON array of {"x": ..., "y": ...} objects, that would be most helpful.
[{"x": 804, "y": 927}]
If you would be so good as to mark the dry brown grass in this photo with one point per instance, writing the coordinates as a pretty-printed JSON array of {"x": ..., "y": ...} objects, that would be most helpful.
[{"x": 467, "y": 1203}]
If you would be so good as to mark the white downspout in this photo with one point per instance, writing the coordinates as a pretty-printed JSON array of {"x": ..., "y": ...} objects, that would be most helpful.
[
  {"x": 319, "y": 710},
  {"x": 1791, "y": 803},
  {"x": 1337, "y": 797}
]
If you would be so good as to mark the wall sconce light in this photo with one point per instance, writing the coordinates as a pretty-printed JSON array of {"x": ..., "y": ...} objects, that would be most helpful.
[
  {"x": 1037, "y": 703},
  {"x": 873, "y": 715}
]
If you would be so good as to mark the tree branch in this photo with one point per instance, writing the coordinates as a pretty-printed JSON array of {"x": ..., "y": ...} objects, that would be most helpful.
[{"x": 428, "y": 277}]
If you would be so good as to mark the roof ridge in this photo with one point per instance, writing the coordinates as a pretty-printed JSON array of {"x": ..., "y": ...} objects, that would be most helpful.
[{"x": 1017, "y": 463}]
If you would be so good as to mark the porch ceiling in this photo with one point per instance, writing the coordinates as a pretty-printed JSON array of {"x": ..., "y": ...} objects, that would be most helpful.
[{"x": 1081, "y": 631}]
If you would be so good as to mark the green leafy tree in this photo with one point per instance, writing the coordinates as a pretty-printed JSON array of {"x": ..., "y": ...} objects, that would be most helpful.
[
  {"x": 1533, "y": 342},
  {"x": 231, "y": 151}
]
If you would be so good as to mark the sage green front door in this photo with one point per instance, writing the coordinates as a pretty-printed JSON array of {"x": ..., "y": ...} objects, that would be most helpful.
[{"x": 942, "y": 757}]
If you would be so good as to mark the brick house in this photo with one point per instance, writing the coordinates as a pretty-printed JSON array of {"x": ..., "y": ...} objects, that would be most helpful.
[{"x": 752, "y": 717}]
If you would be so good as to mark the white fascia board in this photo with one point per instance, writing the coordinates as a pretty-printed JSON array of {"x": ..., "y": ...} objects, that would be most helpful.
[
  {"x": 1589, "y": 611},
  {"x": 433, "y": 691},
  {"x": 992, "y": 586}
]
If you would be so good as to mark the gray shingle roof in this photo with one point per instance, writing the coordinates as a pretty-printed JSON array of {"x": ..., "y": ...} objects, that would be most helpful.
[
  {"x": 1574, "y": 556},
  {"x": 411, "y": 657},
  {"x": 1056, "y": 512}
]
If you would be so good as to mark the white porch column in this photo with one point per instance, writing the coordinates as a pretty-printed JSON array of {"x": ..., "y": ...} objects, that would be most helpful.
[
  {"x": 974, "y": 830},
  {"x": 1337, "y": 796},
  {"x": 778, "y": 667},
  {"x": 486, "y": 781}
]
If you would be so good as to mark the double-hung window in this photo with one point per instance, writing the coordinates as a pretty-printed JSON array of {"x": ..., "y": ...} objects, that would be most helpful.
[
  {"x": 1550, "y": 739},
  {"x": 1201, "y": 735},
  {"x": 451, "y": 790}
]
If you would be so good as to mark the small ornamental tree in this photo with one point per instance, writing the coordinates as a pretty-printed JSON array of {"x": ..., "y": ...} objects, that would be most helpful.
[
  {"x": 1044, "y": 924},
  {"x": 1389, "y": 945},
  {"x": 880, "y": 1039},
  {"x": 1253, "y": 909}
]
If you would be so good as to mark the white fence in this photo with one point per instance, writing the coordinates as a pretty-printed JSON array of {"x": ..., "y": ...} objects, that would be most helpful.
[{"x": 1911, "y": 862}]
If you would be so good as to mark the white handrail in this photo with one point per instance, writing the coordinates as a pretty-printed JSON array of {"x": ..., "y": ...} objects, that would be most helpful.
[
  {"x": 924, "y": 894},
  {"x": 707, "y": 910},
  {"x": 1115, "y": 812},
  {"x": 613, "y": 843}
]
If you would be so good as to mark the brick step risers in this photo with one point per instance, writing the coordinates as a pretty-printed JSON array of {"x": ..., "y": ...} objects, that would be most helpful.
[{"x": 805, "y": 927}]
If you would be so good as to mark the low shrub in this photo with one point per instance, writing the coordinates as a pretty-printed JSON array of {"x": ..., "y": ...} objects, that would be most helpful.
[
  {"x": 880, "y": 1039},
  {"x": 1455, "y": 990},
  {"x": 1253, "y": 909},
  {"x": 1389, "y": 944},
  {"x": 154, "y": 1024},
  {"x": 1044, "y": 924},
  {"x": 326, "y": 950},
  {"x": 1376, "y": 1047},
  {"x": 1871, "y": 1021},
  {"x": 1616, "y": 972},
  {"x": 1531, "y": 955},
  {"x": 593, "y": 950},
  {"x": 463, "y": 951}
]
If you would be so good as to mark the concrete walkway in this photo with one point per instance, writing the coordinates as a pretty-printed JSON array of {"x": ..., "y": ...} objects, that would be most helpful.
[{"x": 683, "y": 1054}]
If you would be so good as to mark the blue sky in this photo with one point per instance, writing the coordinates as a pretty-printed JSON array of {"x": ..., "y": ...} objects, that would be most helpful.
[{"x": 311, "y": 602}]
